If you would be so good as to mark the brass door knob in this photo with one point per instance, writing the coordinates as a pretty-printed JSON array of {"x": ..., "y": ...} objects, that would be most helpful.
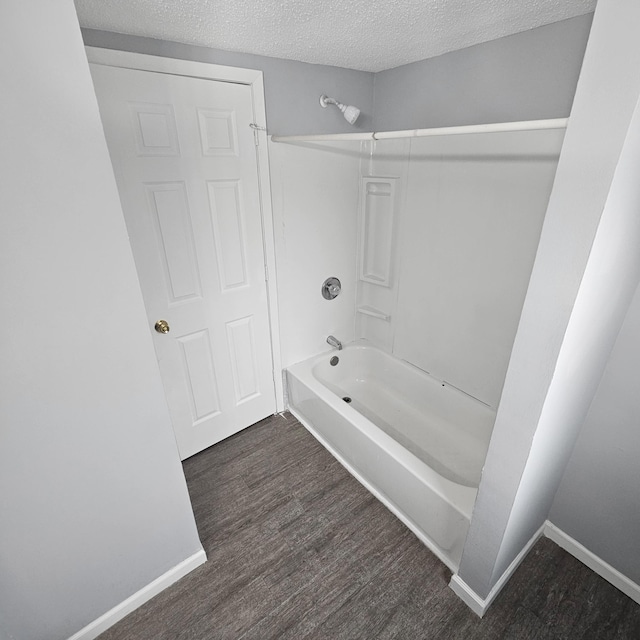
[{"x": 162, "y": 326}]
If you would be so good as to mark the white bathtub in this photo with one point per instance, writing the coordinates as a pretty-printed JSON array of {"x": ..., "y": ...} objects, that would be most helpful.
[{"x": 416, "y": 443}]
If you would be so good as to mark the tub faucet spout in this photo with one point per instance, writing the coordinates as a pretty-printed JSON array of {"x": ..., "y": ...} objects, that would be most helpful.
[{"x": 334, "y": 342}]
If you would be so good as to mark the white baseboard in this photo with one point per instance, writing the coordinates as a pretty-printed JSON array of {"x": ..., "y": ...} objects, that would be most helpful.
[
  {"x": 477, "y": 604},
  {"x": 101, "y": 624},
  {"x": 591, "y": 560},
  {"x": 480, "y": 605}
]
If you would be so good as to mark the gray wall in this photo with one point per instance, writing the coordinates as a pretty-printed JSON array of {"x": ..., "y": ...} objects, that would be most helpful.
[
  {"x": 526, "y": 76},
  {"x": 292, "y": 89},
  {"x": 583, "y": 279},
  {"x": 93, "y": 500},
  {"x": 597, "y": 502}
]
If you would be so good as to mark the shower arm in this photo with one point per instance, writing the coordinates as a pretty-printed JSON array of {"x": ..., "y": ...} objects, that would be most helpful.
[
  {"x": 325, "y": 100},
  {"x": 349, "y": 112}
]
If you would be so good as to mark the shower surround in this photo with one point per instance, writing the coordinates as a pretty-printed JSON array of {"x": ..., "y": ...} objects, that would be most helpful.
[{"x": 434, "y": 240}]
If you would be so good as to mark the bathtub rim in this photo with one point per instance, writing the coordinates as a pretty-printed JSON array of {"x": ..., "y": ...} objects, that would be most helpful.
[{"x": 364, "y": 344}]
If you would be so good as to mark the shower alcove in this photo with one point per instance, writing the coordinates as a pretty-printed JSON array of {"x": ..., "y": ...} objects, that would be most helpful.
[{"x": 433, "y": 234}]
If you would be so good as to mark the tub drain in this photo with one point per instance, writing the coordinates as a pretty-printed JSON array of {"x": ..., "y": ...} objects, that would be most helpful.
[{"x": 347, "y": 399}]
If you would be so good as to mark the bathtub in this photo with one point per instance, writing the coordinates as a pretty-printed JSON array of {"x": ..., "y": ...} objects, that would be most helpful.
[{"x": 415, "y": 442}]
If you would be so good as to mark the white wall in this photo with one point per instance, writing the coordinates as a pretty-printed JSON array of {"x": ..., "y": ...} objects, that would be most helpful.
[
  {"x": 467, "y": 219},
  {"x": 93, "y": 499},
  {"x": 315, "y": 201},
  {"x": 607, "y": 286},
  {"x": 582, "y": 281},
  {"x": 474, "y": 211},
  {"x": 597, "y": 502},
  {"x": 526, "y": 76}
]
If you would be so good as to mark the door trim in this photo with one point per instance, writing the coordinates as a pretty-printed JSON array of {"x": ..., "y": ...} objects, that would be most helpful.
[{"x": 254, "y": 79}]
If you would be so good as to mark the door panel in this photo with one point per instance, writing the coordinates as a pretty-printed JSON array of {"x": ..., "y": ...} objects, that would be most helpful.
[{"x": 185, "y": 162}]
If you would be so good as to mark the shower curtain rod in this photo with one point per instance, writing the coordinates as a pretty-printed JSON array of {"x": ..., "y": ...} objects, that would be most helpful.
[{"x": 528, "y": 125}]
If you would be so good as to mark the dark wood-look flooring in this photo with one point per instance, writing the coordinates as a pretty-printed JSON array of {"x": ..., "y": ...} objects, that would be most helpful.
[{"x": 299, "y": 549}]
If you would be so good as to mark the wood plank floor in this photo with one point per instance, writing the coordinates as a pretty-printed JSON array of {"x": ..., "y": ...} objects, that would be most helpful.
[{"x": 299, "y": 549}]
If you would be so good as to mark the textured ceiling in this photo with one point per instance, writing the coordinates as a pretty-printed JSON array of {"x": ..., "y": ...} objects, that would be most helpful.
[{"x": 370, "y": 35}]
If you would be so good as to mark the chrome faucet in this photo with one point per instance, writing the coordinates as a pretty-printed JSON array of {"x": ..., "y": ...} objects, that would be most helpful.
[{"x": 334, "y": 342}]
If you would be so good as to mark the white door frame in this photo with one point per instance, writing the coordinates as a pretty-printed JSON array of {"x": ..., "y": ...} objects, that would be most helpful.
[{"x": 252, "y": 78}]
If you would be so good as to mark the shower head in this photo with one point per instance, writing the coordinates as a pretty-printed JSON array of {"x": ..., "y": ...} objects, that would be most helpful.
[{"x": 349, "y": 112}]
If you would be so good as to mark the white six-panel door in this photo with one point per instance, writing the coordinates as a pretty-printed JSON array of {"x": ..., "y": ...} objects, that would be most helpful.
[{"x": 185, "y": 162}]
